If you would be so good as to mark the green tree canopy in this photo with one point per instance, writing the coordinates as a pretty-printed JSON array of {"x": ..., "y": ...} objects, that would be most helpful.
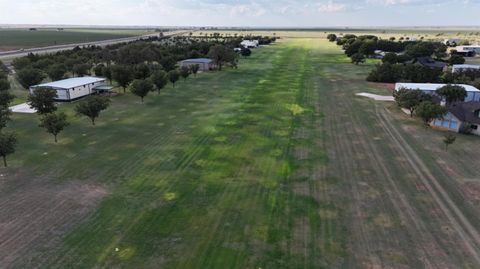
[
  {"x": 30, "y": 76},
  {"x": 194, "y": 69},
  {"x": 43, "y": 100},
  {"x": 448, "y": 140},
  {"x": 57, "y": 71},
  {"x": 4, "y": 85},
  {"x": 358, "y": 58},
  {"x": 8, "y": 141},
  {"x": 92, "y": 106},
  {"x": 159, "y": 79},
  {"x": 141, "y": 87},
  {"x": 173, "y": 76},
  {"x": 54, "y": 123},
  {"x": 184, "y": 72},
  {"x": 429, "y": 111},
  {"x": 410, "y": 99},
  {"x": 122, "y": 75},
  {"x": 452, "y": 93},
  {"x": 221, "y": 55}
]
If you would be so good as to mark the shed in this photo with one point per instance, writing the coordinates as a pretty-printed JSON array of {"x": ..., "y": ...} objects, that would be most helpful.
[
  {"x": 73, "y": 88},
  {"x": 473, "y": 94},
  {"x": 205, "y": 64}
]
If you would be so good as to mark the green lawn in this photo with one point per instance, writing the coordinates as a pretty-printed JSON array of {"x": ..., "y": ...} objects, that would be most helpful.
[
  {"x": 274, "y": 165},
  {"x": 11, "y": 39}
]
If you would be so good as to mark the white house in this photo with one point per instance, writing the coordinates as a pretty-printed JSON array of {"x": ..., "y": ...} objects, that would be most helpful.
[
  {"x": 464, "y": 67},
  {"x": 74, "y": 88},
  {"x": 249, "y": 44},
  {"x": 473, "y": 94},
  {"x": 469, "y": 48}
]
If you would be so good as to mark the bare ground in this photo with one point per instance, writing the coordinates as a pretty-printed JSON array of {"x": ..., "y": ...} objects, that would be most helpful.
[{"x": 35, "y": 215}]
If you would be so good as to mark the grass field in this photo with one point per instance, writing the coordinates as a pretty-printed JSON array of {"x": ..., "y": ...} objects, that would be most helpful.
[
  {"x": 274, "y": 165},
  {"x": 13, "y": 39},
  {"x": 470, "y": 34}
]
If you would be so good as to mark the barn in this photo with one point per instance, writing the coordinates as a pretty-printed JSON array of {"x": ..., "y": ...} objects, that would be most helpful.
[
  {"x": 74, "y": 88},
  {"x": 205, "y": 64},
  {"x": 473, "y": 94}
]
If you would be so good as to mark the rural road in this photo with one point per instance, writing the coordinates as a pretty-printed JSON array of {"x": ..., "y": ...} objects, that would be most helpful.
[{"x": 7, "y": 56}]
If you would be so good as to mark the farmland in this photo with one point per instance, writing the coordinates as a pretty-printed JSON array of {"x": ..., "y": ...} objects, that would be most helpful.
[
  {"x": 275, "y": 164},
  {"x": 13, "y": 39}
]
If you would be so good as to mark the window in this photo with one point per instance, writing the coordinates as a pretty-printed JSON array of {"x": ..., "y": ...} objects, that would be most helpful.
[
  {"x": 453, "y": 125},
  {"x": 437, "y": 122},
  {"x": 446, "y": 123},
  {"x": 474, "y": 127}
]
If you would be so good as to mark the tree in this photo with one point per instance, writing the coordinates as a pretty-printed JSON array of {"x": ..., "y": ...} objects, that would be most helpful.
[
  {"x": 184, "y": 72},
  {"x": 358, "y": 58},
  {"x": 141, "y": 87},
  {"x": 429, "y": 111},
  {"x": 173, "y": 76},
  {"x": 332, "y": 37},
  {"x": 410, "y": 99},
  {"x": 159, "y": 79},
  {"x": 98, "y": 70},
  {"x": 142, "y": 71},
  {"x": 8, "y": 141},
  {"x": 456, "y": 59},
  {"x": 29, "y": 76},
  {"x": 123, "y": 75},
  {"x": 43, "y": 100},
  {"x": 367, "y": 48},
  {"x": 81, "y": 69},
  {"x": 221, "y": 55},
  {"x": 448, "y": 140},
  {"x": 194, "y": 69},
  {"x": 54, "y": 123},
  {"x": 107, "y": 72},
  {"x": 452, "y": 93},
  {"x": 246, "y": 52},
  {"x": 390, "y": 58},
  {"x": 4, "y": 85},
  {"x": 92, "y": 106},
  {"x": 56, "y": 71}
]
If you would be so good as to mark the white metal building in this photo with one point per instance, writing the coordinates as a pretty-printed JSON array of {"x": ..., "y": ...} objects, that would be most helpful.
[
  {"x": 73, "y": 88},
  {"x": 250, "y": 44},
  {"x": 469, "y": 48},
  {"x": 464, "y": 67},
  {"x": 473, "y": 94}
]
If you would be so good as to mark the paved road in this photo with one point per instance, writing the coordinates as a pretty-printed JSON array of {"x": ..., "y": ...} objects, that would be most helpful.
[{"x": 7, "y": 56}]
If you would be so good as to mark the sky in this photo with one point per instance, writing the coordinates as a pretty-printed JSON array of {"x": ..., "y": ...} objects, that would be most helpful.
[{"x": 247, "y": 13}]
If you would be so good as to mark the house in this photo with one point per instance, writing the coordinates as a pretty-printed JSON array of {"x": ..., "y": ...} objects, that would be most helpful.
[
  {"x": 469, "y": 48},
  {"x": 473, "y": 94},
  {"x": 250, "y": 44},
  {"x": 464, "y": 67},
  {"x": 74, "y": 88},
  {"x": 461, "y": 117},
  {"x": 205, "y": 64},
  {"x": 451, "y": 41},
  {"x": 430, "y": 63}
]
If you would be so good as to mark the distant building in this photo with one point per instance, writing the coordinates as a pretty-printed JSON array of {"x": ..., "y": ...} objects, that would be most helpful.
[
  {"x": 451, "y": 41},
  {"x": 75, "y": 88},
  {"x": 473, "y": 94},
  {"x": 469, "y": 48},
  {"x": 461, "y": 117},
  {"x": 250, "y": 44},
  {"x": 205, "y": 64},
  {"x": 464, "y": 67}
]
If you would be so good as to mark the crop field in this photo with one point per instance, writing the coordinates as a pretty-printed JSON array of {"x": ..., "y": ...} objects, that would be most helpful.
[
  {"x": 13, "y": 39},
  {"x": 276, "y": 164}
]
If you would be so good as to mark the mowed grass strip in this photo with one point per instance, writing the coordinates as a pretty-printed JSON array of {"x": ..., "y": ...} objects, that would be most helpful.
[{"x": 201, "y": 176}]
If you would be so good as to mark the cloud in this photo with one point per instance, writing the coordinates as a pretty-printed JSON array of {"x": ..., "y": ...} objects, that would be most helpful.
[{"x": 331, "y": 6}]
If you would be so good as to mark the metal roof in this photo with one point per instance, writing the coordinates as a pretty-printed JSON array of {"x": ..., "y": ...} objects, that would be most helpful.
[
  {"x": 198, "y": 60},
  {"x": 431, "y": 86},
  {"x": 71, "y": 82},
  {"x": 467, "y": 66}
]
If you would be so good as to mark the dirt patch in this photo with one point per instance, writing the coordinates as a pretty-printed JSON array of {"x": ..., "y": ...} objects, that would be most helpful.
[{"x": 36, "y": 215}]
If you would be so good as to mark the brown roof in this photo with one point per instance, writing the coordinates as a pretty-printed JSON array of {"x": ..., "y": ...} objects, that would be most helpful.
[{"x": 466, "y": 111}]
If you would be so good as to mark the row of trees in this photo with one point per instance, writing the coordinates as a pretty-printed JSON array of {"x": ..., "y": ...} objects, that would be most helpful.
[{"x": 8, "y": 140}]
